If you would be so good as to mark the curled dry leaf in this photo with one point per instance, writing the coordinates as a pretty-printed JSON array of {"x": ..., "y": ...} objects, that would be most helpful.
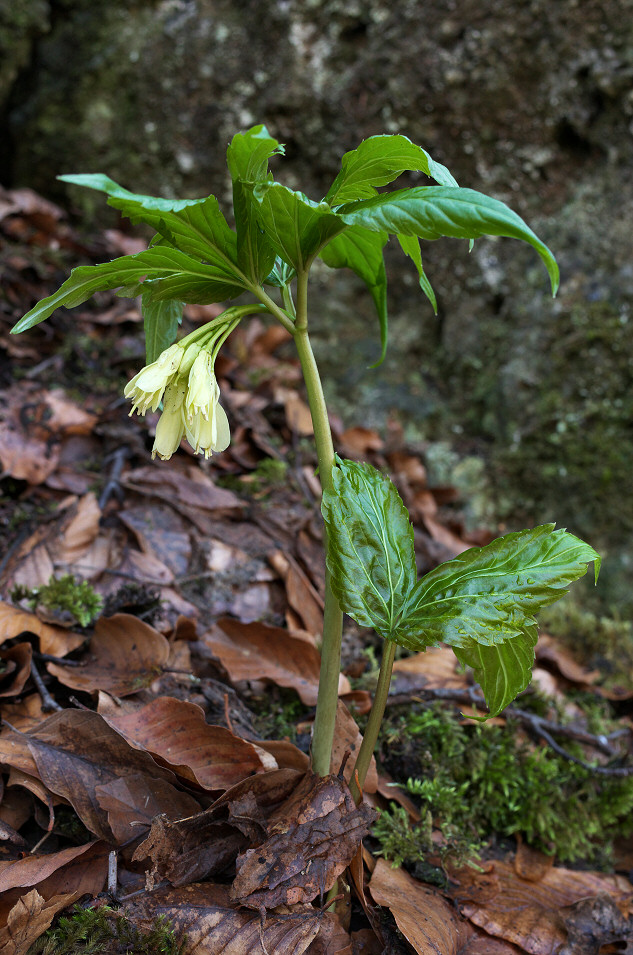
[
  {"x": 595, "y": 923},
  {"x": 126, "y": 655},
  {"x": 191, "y": 849},
  {"x": 57, "y": 641},
  {"x": 76, "y": 752},
  {"x": 347, "y": 739},
  {"x": 131, "y": 804},
  {"x": 212, "y": 923},
  {"x": 312, "y": 838},
  {"x": 256, "y": 651},
  {"x": 15, "y": 668},
  {"x": 29, "y": 918},
  {"x": 176, "y": 731}
]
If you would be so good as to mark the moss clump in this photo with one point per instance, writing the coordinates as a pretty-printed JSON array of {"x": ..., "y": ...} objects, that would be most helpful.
[
  {"x": 103, "y": 931},
  {"x": 63, "y": 595},
  {"x": 480, "y": 782}
]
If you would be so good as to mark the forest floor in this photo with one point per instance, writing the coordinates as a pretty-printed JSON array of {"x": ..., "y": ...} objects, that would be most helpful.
[{"x": 159, "y": 626}]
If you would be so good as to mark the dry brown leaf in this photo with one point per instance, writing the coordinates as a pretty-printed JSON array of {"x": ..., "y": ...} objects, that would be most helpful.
[
  {"x": 312, "y": 838},
  {"x": 76, "y": 751},
  {"x": 34, "y": 870},
  {"x": 57, "y": 641},
  {"x": 162, "y": 533},
  {"x": 302, "y": 596},
  {"x": 176, "y": 731},
  {"x": 531, "y": 864},
  {"x": 15, "y": 668},
  {"x": 37, "y": 787},
  {"x": 529, "y": 913},
  {"x": 126, "y": 655},
  {"x": 359, "y": 440},
  {"x": 258, "y": 651},
  {"x": 188, "y": 489},
  {"x": 29, "y": 918},
  {"x": 212, "y": 923},
  {"x": 549, "y": 651},
  {"x": 347, "y": 739},
  {"x": 594, "y": 923},
  {"x": 201, "y": 845},
  {"x": 79, "y": 533},
  {"x": 131, "y": 803},
  {"x": 425, "y": 918},
  {"x": 434, "y": 668}
]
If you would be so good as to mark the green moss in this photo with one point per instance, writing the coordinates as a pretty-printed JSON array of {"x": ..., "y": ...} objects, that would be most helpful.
[
  {"x": 276, "y": 715},
  {"x": 104, "y": 932},
  {"x": 480, "y": 782},
  {"x": 262, "y": 481},
  {"x": 64, "y": 595}
]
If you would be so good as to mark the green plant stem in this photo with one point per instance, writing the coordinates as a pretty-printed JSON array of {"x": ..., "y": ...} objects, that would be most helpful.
[
  {"x": 372, "y": 729},
  {"x": 325, "y": 718}
]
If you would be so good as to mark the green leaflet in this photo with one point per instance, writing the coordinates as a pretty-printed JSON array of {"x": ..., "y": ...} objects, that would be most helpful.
[
  {"x": 370, "y": 546},
  {"x": 502, "y": 670},
  {"x": 431, "y": 212},
  {"x": 410, "y": 245},
  {"x": 247, "y": 159},
  {"x": 378, "y": 161},
  {"x": 159, "y": 263},
  {"x": 160, "y": 323},
  {"x": 195, "y": 226},
  {"x": 361, "y": 251},
  {"x": 297, "y": 227}
]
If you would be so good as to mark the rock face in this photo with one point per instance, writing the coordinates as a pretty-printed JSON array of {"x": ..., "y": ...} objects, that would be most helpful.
[{"x": 531, "y": 102}]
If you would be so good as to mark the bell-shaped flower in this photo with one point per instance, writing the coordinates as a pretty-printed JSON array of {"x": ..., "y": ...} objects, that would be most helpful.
[
  {"x": 171, "y": 424},
  {"x": 146, "y": 389},
  {"x": 203, "y": 392},
  {"x": 208, "y": 434}
]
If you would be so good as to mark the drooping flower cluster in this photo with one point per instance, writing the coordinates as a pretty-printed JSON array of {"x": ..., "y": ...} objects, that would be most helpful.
[{"x": 183, "y": 378}]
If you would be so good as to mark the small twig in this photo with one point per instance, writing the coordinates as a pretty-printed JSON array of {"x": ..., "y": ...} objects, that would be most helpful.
[
  {"x": 62, "y": 661},
  {"x": 227, "y": 714},
  {"x": 41, "y": 842},
  {"x": 112, "y": 873},
  {"x": 113, "y": 484},
  {"x": 48, "y": 703}
]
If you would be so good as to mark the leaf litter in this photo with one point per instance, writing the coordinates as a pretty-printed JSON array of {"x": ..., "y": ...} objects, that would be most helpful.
[{"x": 131, "y": 763}]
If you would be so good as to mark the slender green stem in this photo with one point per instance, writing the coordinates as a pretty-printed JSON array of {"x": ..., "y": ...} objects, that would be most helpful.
[
  {"x": 325, "y": 717},
  {"x": 370, "y": 736}
]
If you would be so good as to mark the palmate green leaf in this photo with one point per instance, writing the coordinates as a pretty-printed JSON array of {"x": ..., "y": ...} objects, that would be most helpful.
[
  {"x": 486, "y": 598},
  {"x": 247, "y": 158},
  {"x": 195, "y": 226},
  {"x": 378, "y": 161},
  {"x": 431, "y": 212},
  {"x": 297, "y": 227},
  {"x": 161, "y": 264},
  {"x": 361, "y": 251},
  {"x": 370, "y": 546},
  {"x": 160, "y": 323}
]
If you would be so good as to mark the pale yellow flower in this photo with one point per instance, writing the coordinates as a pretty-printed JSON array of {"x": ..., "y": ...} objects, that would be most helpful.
[
  {"x": 171, "y": 424},
  {"x": 146, "y": 389},
  {"x": 203, "y": 392},
  {"x": 207, "y": 435}
]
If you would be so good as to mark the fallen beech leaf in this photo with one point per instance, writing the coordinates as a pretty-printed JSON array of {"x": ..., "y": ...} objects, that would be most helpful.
[
  {"x": 301, "y": 595},
  {"x": 285, "y": 754},
  {"x": 425, "y": 918},
  {"x": 549, "y": 650},
  {"x": 530, "y": 863},
  {"x": 360, "y": 440},
  {"x": 347, "y": 739},
  {"x": 210, "y": 756},
  {"x": 256, "y": 651},
  {"x": 186, "y": 490},
  {"x": 37, "y": 787},
  {"x": 126, "y": 655},
  {"x": 213, "y": 924},
  {"x": 79, "y": 532},
  {"x": 162, "y": 533},
  {"x": 194, "y": 848},
  {"x": 56, "y": 641},
  {"x": 29, "y": 918},
  {"x": 131, "y": 803},
  {"x": 312, "y": 838},
  {"x": 33, "y": 870},
  {"x": 76, "y": 751},
  {"x": 528, "y": 913},
  {"x": 26, "y": 714},
  {"x": 15, "y": 668},
  {"x": 435, "y": 668}
]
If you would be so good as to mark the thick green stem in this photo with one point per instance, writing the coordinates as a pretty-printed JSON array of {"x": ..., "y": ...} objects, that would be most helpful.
[
  {"x": 325, "y": 718},
  {"x": 372, "y": 729}
]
